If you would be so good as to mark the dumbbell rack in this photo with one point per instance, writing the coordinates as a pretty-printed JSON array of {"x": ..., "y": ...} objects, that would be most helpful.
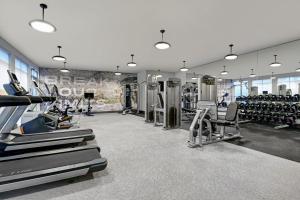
[{"x": 278, "y": 110}]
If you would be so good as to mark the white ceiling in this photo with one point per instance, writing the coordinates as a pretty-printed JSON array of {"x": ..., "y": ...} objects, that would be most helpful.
[{"x": 100, "y": 34}]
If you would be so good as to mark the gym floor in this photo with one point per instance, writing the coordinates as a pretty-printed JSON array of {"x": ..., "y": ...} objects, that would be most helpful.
[
  {"x": 148, "y": 163},
  {"x": 284, "y": 143}
]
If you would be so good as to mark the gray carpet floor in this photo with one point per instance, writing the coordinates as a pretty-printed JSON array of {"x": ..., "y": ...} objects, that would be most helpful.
[{"x": 148, "y": 163}]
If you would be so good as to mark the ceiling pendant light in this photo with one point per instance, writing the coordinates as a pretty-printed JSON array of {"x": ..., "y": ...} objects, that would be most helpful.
[
  {"x": 64, "y": 70},
  {"x": 162, "y": 45},
  {"x": 117, "y": 73},
  {"x": 273, "y": 77},
  {"x": 59, "y": 57},
  {"x": 194, "y": 77},
  {"x": 131, "y": 64},
  {"x": 298, "y": 69},
  {"x": 184, "y": 69},
  {"x": 159, "y": 75},
  {"x": 275, "y": 63},
  {"x": 219, "y": 79},
  {"x": 42, "y": 25},
  {"x": 252, "y": 75},
  {"x": 224, "y": 72},
  {"x": 231, "y": 56}
]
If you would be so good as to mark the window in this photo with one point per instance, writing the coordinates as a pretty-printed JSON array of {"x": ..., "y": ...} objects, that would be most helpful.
[
  {"x": 4, "y": 66},
  {"x": 263, "y": 85},
  {"x": 291, "y": 83},
  {"x": 240, "y": 88},
  {"x": 21, "y": 70},
  {"x": 34, "y": 77}
]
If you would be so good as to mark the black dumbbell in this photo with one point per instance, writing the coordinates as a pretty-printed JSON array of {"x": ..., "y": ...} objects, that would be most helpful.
[{"x": 296, "y": 98}]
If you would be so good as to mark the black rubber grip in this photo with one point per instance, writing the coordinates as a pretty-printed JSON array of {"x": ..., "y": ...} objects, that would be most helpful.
[
  {"x": 8, "y": 100},
  {"x": 35, "y": 99},
  {"x": 48, "y": 98}
]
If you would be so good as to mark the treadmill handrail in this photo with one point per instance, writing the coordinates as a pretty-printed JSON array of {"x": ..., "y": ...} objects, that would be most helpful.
[{"x": 10, "y": 100}]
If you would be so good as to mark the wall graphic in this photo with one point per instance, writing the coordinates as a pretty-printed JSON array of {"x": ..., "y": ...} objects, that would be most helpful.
[{"x": 106, "y": 86}]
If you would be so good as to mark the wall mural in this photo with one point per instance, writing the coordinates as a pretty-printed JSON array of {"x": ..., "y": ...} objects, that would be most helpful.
[{"x": 106, "y": 86}]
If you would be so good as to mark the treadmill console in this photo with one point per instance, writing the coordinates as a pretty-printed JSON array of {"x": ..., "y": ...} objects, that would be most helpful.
[{"x": 14, "y": 87}]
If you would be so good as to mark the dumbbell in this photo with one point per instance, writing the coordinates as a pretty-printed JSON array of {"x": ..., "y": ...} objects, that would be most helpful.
[
  {"x": 254, "y": 98},
  {"x": 288, "y": 98},
  {"x": 278, "y": 107},
  {"x": 290, "y": 118},
  {"x": 255, "y": 115},
  {"x": 271, "y": 106},
  {"x": 280, "y": 98},
  {"x": 296, "y": 98},
  {"x": 294, "y": 108},
  {"x": 286, "y": 107},
  {"x": 249, "y": 98},
  {"x": 241, "y": 105},
  {"x": 260, "y": 98},
  {"x": 252, "y": 106},
  {"x": 267, "y": 98},
  {"x": 238, "y": 98},
  {"x": 273, "y": 97},
  {"x": 264, "y": 106},
  {"x": 258, "y": 106},
  {"x": 246, "y": 106}
]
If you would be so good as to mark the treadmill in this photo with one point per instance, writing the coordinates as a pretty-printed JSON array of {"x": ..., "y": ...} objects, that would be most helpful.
[
  {"x": 38, "y": 167},
  {"x": 11, "y": 143}
]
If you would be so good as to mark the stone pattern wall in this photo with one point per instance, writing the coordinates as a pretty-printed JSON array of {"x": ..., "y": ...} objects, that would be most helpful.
[{"x": 106, "y": 86}]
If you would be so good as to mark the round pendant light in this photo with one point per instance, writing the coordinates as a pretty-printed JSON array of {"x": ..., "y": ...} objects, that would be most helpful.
[
  {"x": 231, "y": 56},
  {"x": 117, "y": 73},
  {"x": 275, "y": 63},
  {"x": 159, "y": 75},
  {"x": 42, "y": 25},
  {"x": 194, "y": 77},
  {"x": 298, "y": 69},
  {"x": 252, "y": 75},
  {"x": 64, "y": 69},
  {"x": 273, "y": 77},
  {"x": 131, "y": 64},
  {"x": 184, "y": 69},
  {"x": 224, "y": 72},
  {"x": 59, "y": 57},
  {"x": 162, "y": 45}
]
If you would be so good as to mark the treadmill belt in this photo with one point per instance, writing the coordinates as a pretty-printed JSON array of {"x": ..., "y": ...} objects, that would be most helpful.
[
  {"x": 52, "y": 135},
  {"x": 44, "y": 162}
]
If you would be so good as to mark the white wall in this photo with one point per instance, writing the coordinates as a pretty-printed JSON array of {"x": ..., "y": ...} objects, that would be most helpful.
[{"x": 288, "y": 55}]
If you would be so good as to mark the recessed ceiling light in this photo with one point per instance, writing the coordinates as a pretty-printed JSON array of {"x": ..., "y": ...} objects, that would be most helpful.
[
  {"x": 252, "y": 75},
  {"x": 162, "y": 45},
  {"x": 224, "y": 72},
  {"x": 219, "y": 79},
  {"x": 117, "y": 73},
  {"x": 131, "y": 64},
  {"x": 42, "y": 25},
  {"x": 64, "y": 69},
  {"x": 184, "y": 69},
  {"x": 231, "y": 56},
  {"x": 59, "y": 57},
  {"x": 275, "y": 63}
]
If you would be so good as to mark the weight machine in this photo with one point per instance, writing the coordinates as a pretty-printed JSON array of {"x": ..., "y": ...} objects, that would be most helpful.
[{"x": 206, "y": 127}]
